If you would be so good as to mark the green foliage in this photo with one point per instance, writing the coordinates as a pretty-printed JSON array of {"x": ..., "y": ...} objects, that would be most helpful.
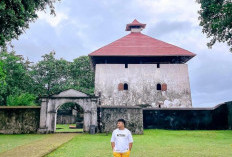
[
  {"x": 71, "y": 106},
  {"x": 216, "y": 19},
  {"x": 51, "y": 75},
  {"x": 82, "y": 75},
  {"x": 47, "y": 77},
  {"x": 15, "y": 16},
  {"x": 17, "y": 78},
  {"x": 24, "y": 99},
  {"x": 2, "y": 73},
  {"x": 2, "y": 80}
]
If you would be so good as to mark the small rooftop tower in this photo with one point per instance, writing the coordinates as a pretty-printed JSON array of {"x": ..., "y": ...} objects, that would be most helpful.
[{"x": 135, "y": 26}]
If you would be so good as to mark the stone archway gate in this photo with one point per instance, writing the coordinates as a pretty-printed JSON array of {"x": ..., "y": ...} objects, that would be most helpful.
[{"x": 50, "y": 105}]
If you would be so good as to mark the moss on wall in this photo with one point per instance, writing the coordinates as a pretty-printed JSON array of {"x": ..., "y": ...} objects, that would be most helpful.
[
  {"x": 19, "y": 120},
  {"x": 110, "y": 115}
]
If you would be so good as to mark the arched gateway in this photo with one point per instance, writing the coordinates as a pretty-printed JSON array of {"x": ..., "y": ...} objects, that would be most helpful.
[{"x": 50, "y": 105}]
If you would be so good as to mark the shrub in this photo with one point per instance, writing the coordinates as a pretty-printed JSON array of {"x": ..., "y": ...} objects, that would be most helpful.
[{"x": 25, "y": 99}]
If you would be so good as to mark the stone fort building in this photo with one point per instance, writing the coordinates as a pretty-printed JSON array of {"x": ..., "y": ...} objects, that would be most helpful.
[
  {"x": 138, "y": 70},
  {"x": 132, "y": 72}
]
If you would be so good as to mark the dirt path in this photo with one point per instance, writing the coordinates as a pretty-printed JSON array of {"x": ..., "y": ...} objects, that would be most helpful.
[{"x": 39, "y": 148}]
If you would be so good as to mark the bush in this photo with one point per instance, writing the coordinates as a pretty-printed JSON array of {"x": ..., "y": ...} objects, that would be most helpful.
[{"x": 25, "y": 99}]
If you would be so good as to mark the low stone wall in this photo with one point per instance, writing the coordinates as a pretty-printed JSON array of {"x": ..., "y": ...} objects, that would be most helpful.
[
  {"x": 108, "y": 116},
  {"x": 219, "y": 117},
  {"x": 19, "y": 120},
  {"x": 65, "y": 119}
]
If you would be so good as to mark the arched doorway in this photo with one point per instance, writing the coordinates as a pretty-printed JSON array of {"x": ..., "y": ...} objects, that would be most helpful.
[
  {"x": 70, "y": 118},
  {"x": 50, "y": 105}
]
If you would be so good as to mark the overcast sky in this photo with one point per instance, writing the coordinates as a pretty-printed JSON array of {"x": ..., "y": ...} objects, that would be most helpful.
[{"x": 81, "y": 27}]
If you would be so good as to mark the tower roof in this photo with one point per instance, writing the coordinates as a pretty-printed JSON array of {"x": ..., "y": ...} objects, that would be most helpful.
[
  {"x": 138, "y": 44},
  {"x": 137, "y": 48}
]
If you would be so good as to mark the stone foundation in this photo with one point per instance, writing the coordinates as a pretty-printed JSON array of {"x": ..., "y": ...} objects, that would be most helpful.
[{"x": 108, "y": 116}]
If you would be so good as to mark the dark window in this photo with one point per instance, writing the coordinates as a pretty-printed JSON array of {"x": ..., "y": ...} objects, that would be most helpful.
[
  {"x": 158, "y": 65},
  {"x": 135, "y": 26},
  {"x": 125, "y": 86},
  {"x": 126, "y": 65},
  {"x": 158, "y": 86}
]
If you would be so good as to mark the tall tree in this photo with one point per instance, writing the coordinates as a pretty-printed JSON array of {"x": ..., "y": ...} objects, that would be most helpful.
[
  {"x": 2, "y": 81},
  {"x": 15, "y": 16},
  {"x": 2, "y": 73},
  {"x": 216, "y": 20},
  {"x": 16, "y": 76},
  {"x": 82, "y": 75},
  {"x": 21, "y": 83},
  {"x": 51, "y": 75}
]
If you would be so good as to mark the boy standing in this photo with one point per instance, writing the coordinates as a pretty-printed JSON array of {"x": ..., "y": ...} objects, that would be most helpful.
[{"x": 121, "y": 140}]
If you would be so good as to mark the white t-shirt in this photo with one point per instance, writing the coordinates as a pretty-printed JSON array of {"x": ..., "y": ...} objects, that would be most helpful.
[{"x": 122, "y": 138}]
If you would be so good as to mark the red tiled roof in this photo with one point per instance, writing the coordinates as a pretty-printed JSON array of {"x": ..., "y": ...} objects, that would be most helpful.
[{"x": 138, "y": 44}]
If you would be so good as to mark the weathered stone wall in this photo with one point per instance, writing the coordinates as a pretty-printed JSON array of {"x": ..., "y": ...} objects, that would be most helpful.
[
  {"x": 108, "y": 116},
  {"x": 219, "y": 117},
  {"x": 142, "y": 80},
  {"x": 19, "y": 120},
  {"x": 65, "y": 119}
]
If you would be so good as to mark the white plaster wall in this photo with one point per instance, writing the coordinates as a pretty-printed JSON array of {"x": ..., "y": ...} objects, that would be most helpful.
[{"x": 142, "y": 80}]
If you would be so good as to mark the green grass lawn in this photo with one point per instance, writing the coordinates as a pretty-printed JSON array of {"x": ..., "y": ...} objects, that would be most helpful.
[
  {"x": 8, "y": 142},
  {"x": 65, "y": 128},
  {"x": 154, "y": 143}
]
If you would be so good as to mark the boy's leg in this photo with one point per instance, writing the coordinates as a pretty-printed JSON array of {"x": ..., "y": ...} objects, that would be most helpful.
[
  {"x": 117, "y": 154},
  {"x": 126, "y": 154}
]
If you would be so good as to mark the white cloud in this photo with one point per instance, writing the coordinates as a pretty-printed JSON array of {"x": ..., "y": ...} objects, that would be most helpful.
[
  {"x": 83, "y": 26},
  {"x": 52, "y": 20},
  {"x": 178, "y": 10}
]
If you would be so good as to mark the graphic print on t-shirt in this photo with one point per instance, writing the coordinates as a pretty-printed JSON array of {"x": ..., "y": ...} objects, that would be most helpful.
[{"x": 121, "y": 135}]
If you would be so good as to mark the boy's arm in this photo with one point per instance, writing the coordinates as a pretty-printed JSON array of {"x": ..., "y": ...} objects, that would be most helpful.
[
  {"x": 130, "y": 140},
  {"x": 112, "y": 145},
  {"x": 130, "y": 146},
  {"x": 112, "y": 141}
]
